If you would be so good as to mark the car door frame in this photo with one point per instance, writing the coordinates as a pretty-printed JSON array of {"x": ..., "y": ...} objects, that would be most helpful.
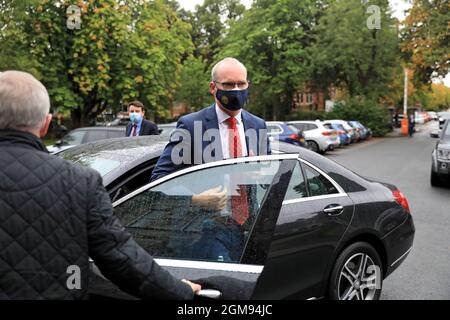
[
  {"x": 265, "y": 288},
  {"x": 258, "y": 245}
]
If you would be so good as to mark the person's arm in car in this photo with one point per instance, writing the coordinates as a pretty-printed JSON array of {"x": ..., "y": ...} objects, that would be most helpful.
[
  {"x": 121, "y": 259},
  {"x": 179, "y": 144}
]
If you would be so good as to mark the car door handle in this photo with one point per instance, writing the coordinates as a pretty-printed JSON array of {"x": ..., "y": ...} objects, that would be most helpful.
[
  {"x": 333, "y": 210},
  {"x": 209, "y": 293}
]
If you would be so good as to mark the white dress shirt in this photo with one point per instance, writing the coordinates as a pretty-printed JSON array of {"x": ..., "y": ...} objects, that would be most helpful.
[{"x": 224, "y": 135}]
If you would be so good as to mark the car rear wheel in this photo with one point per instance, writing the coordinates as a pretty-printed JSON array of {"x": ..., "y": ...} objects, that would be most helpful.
[
  {"x": 313, "y": 146},
  {"x": 435, "y": 180},
  {"x": 357, "y": 274}
]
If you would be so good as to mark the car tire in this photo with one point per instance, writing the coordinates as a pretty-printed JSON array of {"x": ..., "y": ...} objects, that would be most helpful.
[
  {"x": 347, "y": 280},
  {"x": 435, "y": 180},
  {"x": 313, "y": 146}
]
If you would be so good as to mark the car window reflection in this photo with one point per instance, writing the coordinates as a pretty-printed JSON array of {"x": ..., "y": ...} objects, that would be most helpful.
[{"x": 170, "y": 221}]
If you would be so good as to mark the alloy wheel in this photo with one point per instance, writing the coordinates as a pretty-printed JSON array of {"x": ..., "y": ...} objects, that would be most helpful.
[{"x": 359, "y": 278}]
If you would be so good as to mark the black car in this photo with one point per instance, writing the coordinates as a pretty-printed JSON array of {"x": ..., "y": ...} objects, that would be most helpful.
[
  {"x": 440, "y": 158},
  {"x": 86, "y": 134},
  {"x": 314, "y": 229}
]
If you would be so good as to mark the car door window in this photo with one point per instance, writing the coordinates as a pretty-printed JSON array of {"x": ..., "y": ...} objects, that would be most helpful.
[
  {"x": 318, "y": 185},
  {"x": 297, "y": 187},
  {"x": 169, "y": 221},
  {"x": 95, "y": 135},
  {"x": 116, "y": 133},
  {"x": 274, "y": 129},
  {"x": 74, "y": 138},
  {"x": 299, "y": 126}
]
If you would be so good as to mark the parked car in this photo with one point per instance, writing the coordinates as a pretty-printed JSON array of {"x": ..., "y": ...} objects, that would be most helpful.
[
  {"x": 166, "y": 129},
  {"x": 397, "y": 123},
  {"x": 419, "y": 118},
  {"x": 440, "y": 158},
  {"x": 119, "y": 122},
  {"x": 315, "y": 229},
  {"x": 362, "y": 130},
  {"x": 433, "y": 115},
  {"x": 354, "y": 137},
  {"x": 319, "y": 137},
  {"x": 443, "y": 116},
  {"x": 84, "y": 135},
  {"x": 287, "y": 133},
  {"x": 343, "y": 135}
]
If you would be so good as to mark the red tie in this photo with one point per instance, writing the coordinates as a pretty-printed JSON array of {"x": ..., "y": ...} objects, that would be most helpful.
[
  {"x": 239, "y": 204},
  {"x": 134, "y": 130}
]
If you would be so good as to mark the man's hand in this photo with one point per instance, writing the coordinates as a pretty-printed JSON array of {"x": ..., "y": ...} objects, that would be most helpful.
[
  {"x": 212, "y": 199},
  {"x": 195, "y": 287}
]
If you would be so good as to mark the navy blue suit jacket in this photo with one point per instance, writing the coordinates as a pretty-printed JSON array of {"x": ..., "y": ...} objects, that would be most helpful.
[
  {"x": 203, "y": 125},
  {"x": 147, "y": 128}
]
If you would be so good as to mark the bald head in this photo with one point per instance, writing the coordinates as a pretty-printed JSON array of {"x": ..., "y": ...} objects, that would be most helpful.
[
  {"x": 24, "y": 102},
  {"x": 225, "y": 66}
]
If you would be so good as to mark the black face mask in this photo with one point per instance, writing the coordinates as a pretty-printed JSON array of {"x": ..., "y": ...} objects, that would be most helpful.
[{"x": 232, "y": 100}]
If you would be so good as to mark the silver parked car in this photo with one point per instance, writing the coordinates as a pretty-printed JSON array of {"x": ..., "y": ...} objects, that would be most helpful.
[{"x": 319, "y": 137}]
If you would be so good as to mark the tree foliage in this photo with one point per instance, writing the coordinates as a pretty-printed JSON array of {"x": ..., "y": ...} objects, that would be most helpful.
[
  {"x": 194, "y": 84},
  {"x": 438, "y": 97},
  {"x": 366, "y": 111},
  {"x": 356, "y": 48},
  {"x": 123, "y": 50},
  {"x": 272, "y": 40},
  {"x": 426, "y": 38}
]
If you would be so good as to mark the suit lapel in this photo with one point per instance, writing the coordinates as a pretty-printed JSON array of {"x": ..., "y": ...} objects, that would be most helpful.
[
  {"x": 248, "y": 124},
  {"x": 143, "y": 126},
  {"x": 212, "y": 123}
]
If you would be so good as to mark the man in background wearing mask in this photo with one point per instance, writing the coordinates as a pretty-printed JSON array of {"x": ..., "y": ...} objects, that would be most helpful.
[
  {"x": 138, "y": 126},
  {"x": 225, "y": 120}
]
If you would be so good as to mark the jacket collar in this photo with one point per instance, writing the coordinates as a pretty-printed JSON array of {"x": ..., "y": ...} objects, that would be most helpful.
[{"x": 21, "y": 138}]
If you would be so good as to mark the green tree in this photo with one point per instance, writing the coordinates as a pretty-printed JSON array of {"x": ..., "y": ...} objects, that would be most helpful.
[
  {"x": 366, "y": 111},
  {"x": 438, "y": 97},
  {"x": 356, "y": 48},
  {"x": 272, "y": 40},
  {"x": 122, "y": 50},
  {"x": 194, "y": 84},
  {"x": 210, "y": 23},
  {"x": 425, "y": 37}
]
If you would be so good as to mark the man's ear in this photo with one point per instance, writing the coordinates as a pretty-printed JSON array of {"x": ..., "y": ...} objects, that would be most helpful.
[
  {"x": 212, "y": 88},
  {"x": 45, "y": 125}
]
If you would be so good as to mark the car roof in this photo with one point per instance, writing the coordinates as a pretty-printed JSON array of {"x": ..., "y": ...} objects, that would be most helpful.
[
  {"x": 167, "y": 125},
  {"x": 134, "y": 151},
  {"x": 305, "y": 121},
  {"x": 101, "y": 128},
  {"x": 129, "y": 151}
]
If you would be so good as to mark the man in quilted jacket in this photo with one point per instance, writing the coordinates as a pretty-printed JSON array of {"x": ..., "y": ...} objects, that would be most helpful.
[{"x": 54, "y": 215}]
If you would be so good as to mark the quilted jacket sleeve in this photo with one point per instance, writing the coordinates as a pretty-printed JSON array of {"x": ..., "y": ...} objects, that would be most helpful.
[{"x": 120, "y": 258}]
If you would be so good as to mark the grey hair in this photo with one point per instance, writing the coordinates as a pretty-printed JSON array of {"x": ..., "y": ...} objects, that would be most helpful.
[
  {"x": 225, "y": 60},
  {"x": 24, "y": 101}
]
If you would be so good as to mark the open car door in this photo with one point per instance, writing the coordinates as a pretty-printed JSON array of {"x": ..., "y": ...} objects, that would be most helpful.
[{"x": 211, "y": 223}]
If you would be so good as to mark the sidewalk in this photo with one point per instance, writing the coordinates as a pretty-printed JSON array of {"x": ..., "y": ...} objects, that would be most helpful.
[{"x": 396, "y": 133}]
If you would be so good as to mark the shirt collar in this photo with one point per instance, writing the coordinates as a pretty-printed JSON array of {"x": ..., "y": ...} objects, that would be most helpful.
[{"x": 222, "y": 116}]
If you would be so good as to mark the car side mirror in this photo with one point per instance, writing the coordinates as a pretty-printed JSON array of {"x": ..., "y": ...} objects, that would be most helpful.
[
  {"x": 59, "y": 143},
  {"x": 434, "y": 134}
]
